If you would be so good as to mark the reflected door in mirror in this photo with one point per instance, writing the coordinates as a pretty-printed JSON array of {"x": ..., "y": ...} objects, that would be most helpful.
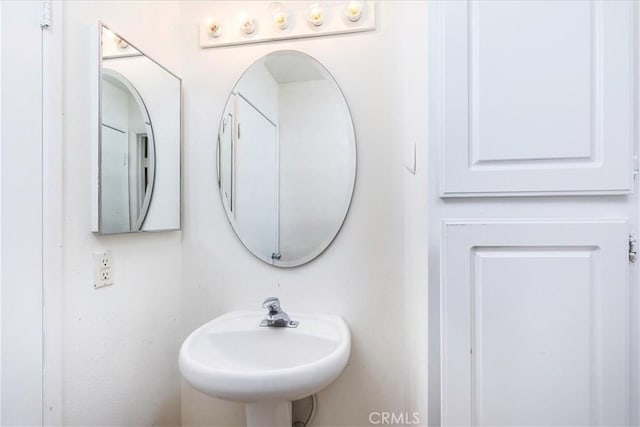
[{"x": 256, "y": 206}]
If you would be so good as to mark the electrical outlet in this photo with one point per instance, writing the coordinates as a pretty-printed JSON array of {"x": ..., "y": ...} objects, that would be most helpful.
[
  {"x": 103, "y": 259},
  {"x": 105, "y": 275},
  {"x": 103, "y": 267}
]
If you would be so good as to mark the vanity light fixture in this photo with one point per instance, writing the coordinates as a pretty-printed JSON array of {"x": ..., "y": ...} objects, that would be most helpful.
[
  {"x": 247, "y": 26},
  {"x": 353, "y": 10},
  {"x": 316, "y": 14},
  {"x": 285, "y": 20},
  {"x": 215, "y": 30}
]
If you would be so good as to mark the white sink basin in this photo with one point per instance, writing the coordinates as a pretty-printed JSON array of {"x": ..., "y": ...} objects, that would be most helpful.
[{"x": 233, "y": 358}]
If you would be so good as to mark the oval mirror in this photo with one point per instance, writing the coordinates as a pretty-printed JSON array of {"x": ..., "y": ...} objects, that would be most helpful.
[
  {"x": 127, "y": 155},
  {"x": 286, "y": 158}
]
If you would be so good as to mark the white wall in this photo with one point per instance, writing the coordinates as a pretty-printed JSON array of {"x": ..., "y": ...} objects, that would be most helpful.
[
  {"x": 361, "y": 274},
  {"x": 120, "y": 343},
  {"x": 411, "y": 122}
]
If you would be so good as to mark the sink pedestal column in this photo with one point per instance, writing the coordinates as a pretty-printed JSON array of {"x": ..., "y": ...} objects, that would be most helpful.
[{"x": 271, "y": 413}]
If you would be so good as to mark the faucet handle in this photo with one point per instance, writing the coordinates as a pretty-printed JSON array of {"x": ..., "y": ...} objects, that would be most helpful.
[{"x": 272, "y": 304}]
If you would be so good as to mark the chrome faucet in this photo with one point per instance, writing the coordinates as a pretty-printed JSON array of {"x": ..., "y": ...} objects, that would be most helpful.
[{"x": 276, "y": 317}]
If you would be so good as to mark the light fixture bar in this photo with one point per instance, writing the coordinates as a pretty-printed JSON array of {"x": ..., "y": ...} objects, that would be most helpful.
[{"x": 252, "y": 22}]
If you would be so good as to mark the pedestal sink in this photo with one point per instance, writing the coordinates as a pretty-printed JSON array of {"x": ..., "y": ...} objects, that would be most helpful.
[{"x": 233, "y": 358}]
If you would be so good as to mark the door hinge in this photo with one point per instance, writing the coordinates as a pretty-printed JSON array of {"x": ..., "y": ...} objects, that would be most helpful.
[
  {"x": 45, "y": 22},
  {"x": 276, "y": 255},
  {"x": 238, "y": 130},
  {"x": 633, "y": 247}
]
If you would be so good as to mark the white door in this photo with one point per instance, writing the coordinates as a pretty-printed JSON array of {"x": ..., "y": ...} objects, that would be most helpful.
[
  {"x": 255, "y": 196},
  {"x": 537, "y": 97},
  {"x": 535, "y": 323},
  {"x": 533, "y": 301},
  {"x": 22, "y": 219}
]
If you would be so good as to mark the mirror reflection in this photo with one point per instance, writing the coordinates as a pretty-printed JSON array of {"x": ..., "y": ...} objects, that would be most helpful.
[
  {"x": 286, "y": 158},
  {"x": 139, "y": 140},
  {"x": 127, "y": 155}
]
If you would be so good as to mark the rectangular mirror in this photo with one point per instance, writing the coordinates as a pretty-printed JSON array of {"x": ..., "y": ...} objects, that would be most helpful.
[{"x": 138, "y": 151}]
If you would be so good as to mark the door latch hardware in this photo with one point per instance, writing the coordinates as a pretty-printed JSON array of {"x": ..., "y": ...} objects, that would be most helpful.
[{"x": 633, "y": 247}]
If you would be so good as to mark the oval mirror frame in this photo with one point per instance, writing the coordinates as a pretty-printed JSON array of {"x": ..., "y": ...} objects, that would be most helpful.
[{"x": 341, "y": 199}]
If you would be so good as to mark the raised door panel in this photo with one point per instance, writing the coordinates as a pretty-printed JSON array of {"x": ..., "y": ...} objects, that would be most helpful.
[
  {"x": 536, "y": 97},
  {"x": 535, "y": 324}
]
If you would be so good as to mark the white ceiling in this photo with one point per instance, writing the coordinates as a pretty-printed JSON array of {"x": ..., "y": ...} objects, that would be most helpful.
[{"x": 288, "y": 68}]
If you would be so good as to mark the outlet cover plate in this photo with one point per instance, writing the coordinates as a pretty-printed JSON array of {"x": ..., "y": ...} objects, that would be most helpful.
[{"x": 103, "y": 269}]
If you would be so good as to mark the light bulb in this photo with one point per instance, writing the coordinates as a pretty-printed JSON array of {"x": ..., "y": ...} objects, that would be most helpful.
[
  {"x": 281, "y": 19},
  {"x": 214, "y": 28},
  {"x": 279, "y": 15},
  {"x": 353, "y": 10},
  {"x": 316, "y": 14},
  {"x": 248, "y": 26}
]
